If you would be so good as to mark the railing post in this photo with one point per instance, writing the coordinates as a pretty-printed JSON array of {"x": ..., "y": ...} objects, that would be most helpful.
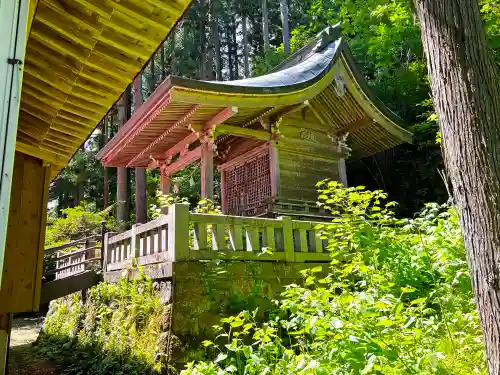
[
  {"x": 133, "y": 243},
  {"x": 178, "y": 232},
  {"x": 105, "y": 253},
  {"x": 104, "y": 246},
  {"x": 288, "y": 238}
]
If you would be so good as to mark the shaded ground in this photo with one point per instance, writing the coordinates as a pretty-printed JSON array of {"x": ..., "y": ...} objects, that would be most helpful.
[{"x": 23, "y": 360}]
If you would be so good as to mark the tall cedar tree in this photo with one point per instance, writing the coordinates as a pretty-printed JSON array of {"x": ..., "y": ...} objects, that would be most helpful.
[
  {"x": 141, "y": 200},
  {"x": 122, "y": 191},
  {"x": 466, "y": 90}
]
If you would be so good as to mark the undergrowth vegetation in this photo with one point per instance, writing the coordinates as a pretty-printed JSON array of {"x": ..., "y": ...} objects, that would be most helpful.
[
  {"x": 118, "y": 330},
  {"x": 398, "y": 300}
]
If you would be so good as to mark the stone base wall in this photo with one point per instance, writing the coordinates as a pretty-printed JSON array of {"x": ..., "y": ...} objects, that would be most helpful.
[{"x": 206, "y": 292}]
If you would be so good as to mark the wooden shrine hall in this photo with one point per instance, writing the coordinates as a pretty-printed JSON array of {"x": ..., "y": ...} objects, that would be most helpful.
[{"x": 272, "y": 137}]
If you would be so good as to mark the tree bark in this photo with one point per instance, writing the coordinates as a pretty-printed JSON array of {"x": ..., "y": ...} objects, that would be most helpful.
[
  {"x": 246, "y": 57},
  {"x": 141, "y": 198},
  {"x": 214, "y": 52},
  {"x": 234, "y": 43},
  {"x": 230, "y": 63},
  {"x": 162, "y": 62},
  {"x": 105, "y": 189},
  {"x": 265, "y": 25},
  {"x": 122, "y": 197},
  {"x": 284, "y": 22},
  {"x": 203, "y": 41},
  {"x": 152, "y": 83},
  {"x": 466, "y": 91},
  {"x": 218, "y": 59}
]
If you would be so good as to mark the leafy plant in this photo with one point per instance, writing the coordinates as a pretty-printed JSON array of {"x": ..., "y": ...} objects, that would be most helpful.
[
  {"x": 397, "y": 300},
  {"x": 120, "y": 329}
]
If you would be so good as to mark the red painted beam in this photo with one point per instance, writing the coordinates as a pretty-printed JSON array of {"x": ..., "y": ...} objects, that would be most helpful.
[
  {"x": 139, "y": 120},
  {"x": 178, "y": 123},
  {"x": 220, "y": 117},
  {"x": 183, "y": 162}
]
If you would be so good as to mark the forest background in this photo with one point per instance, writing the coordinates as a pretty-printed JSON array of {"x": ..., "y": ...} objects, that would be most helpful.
[{"x": 233, "y": 39}]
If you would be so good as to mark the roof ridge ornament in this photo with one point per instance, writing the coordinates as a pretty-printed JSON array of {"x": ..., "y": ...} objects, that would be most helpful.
[{"x": 326, "y": 37}]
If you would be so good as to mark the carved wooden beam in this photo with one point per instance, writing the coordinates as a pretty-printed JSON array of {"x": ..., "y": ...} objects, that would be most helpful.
[
  {"x": 222, "y": 116},
  {"x": 181, "y": 146},
  {"x": 353, "y": 126},
  {"x": 181, "y": 163},
  {"x": 243, "y": 132}
]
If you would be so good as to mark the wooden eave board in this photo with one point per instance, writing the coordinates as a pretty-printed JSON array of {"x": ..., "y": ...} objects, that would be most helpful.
[
  {"x": 313, "y": 79},
  {"x": 142, "y": 139},
  {"x": 80, "y": 57}
]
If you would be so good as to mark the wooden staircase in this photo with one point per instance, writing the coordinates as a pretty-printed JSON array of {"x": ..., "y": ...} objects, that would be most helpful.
[{"x": 71, "y": 267}]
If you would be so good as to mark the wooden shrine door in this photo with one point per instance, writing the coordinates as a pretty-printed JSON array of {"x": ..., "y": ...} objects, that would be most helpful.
[{"x": 246, "y": 183}]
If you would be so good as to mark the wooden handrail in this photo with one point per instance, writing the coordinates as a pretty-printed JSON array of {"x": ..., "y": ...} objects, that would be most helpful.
[
  {"x": 52, "y": 272},
  {"x": 69, "y": 255},
  {"x": 70, "y": 244}
]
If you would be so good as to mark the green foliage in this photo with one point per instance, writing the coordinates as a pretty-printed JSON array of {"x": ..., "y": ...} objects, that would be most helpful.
[
  {"x": 116, "y": 331},
  {"x": 75, "y": 223},
  {"x": 397, "y": 300}
]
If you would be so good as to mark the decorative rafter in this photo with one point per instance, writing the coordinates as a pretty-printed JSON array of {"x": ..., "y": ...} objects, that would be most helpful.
[{"x": 178, "y": 123}]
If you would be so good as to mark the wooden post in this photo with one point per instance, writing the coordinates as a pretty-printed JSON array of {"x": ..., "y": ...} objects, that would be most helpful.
[
  {"x": 134, "y": 249},
  {"x": 223, "y": 192},
  {"x": 342, "y": 168},
  {"x": 274, "y": 169},
  {"x": 165, "y": 184},
  {"x": 5, "y": 328},
  {"x": 207, "y": 171},
  {"x": 104, "y": 238},
  {"x": 288, "y": 243},
  {"x": 178, "y": 232}
]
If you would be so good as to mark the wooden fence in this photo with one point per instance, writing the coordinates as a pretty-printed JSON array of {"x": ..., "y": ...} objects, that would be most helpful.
[
  {"x": 184, "y": 236},
  {"x": 72, "y": 258}
]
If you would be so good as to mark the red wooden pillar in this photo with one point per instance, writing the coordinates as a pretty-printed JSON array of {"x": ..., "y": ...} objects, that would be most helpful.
[
  {"x": 223, "y": 197},
  {"x": 165, "y": 184},
  {"x": 207, "y": 170}
]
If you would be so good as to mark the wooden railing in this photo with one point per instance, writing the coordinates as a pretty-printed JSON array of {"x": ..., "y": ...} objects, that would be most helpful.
[
  {"x": 73, "y": 258},
  {"x": 184, "y": 236}
]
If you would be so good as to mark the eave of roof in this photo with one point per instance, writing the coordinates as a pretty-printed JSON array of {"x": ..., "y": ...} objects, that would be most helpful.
[
  {"x": 80, "y": 57},
  {"x": 302, "y": 79}
]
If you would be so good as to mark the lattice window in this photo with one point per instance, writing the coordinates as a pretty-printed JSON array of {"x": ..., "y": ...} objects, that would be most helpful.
[{"x": 247, "y": 185}]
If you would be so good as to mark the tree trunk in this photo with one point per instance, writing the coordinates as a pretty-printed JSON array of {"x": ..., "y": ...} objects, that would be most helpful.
[
  {"x": 234, "y": 43},
  {"x": 218, "y": 59},
  {"x": 105, "y": 189},
  {"x": 466, "y": 92},
  {"x": 162, "y": 62},
  {"x": 265, "y": 25},
  {"x": 230, "y": 61},
  {"x": 246, "y": 56},
  {"x": 214, "y": 44},
  {"x": 203, "y": 41},
  {"x": 152, "y": 82},
  {"x": 121, "y": 173},
  {"x": 284, "y": 22},
  {"x": 141, "y": 207}
]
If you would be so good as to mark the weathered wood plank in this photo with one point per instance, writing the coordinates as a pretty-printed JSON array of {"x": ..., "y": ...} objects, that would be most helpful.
[
  {"x": 304, "y": 248},
  {"x": 218, "y": 237},
  {"x": 200, "y": 236},
  {"x": 252, "y": 239},
  {"x": 233, "y": 220},
  {"x": 236, "y": 237},
  {"x": 288, "y": 239},
  {"x": 270, "y": 241},
  {"x": 235, "y": 255}
]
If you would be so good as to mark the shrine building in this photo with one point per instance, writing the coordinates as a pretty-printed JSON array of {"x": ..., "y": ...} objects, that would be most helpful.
[{"x": 271, "y": 137}]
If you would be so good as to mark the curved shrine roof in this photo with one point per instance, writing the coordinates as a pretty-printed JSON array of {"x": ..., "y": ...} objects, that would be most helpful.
[{"x": 321, "y": 77}]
